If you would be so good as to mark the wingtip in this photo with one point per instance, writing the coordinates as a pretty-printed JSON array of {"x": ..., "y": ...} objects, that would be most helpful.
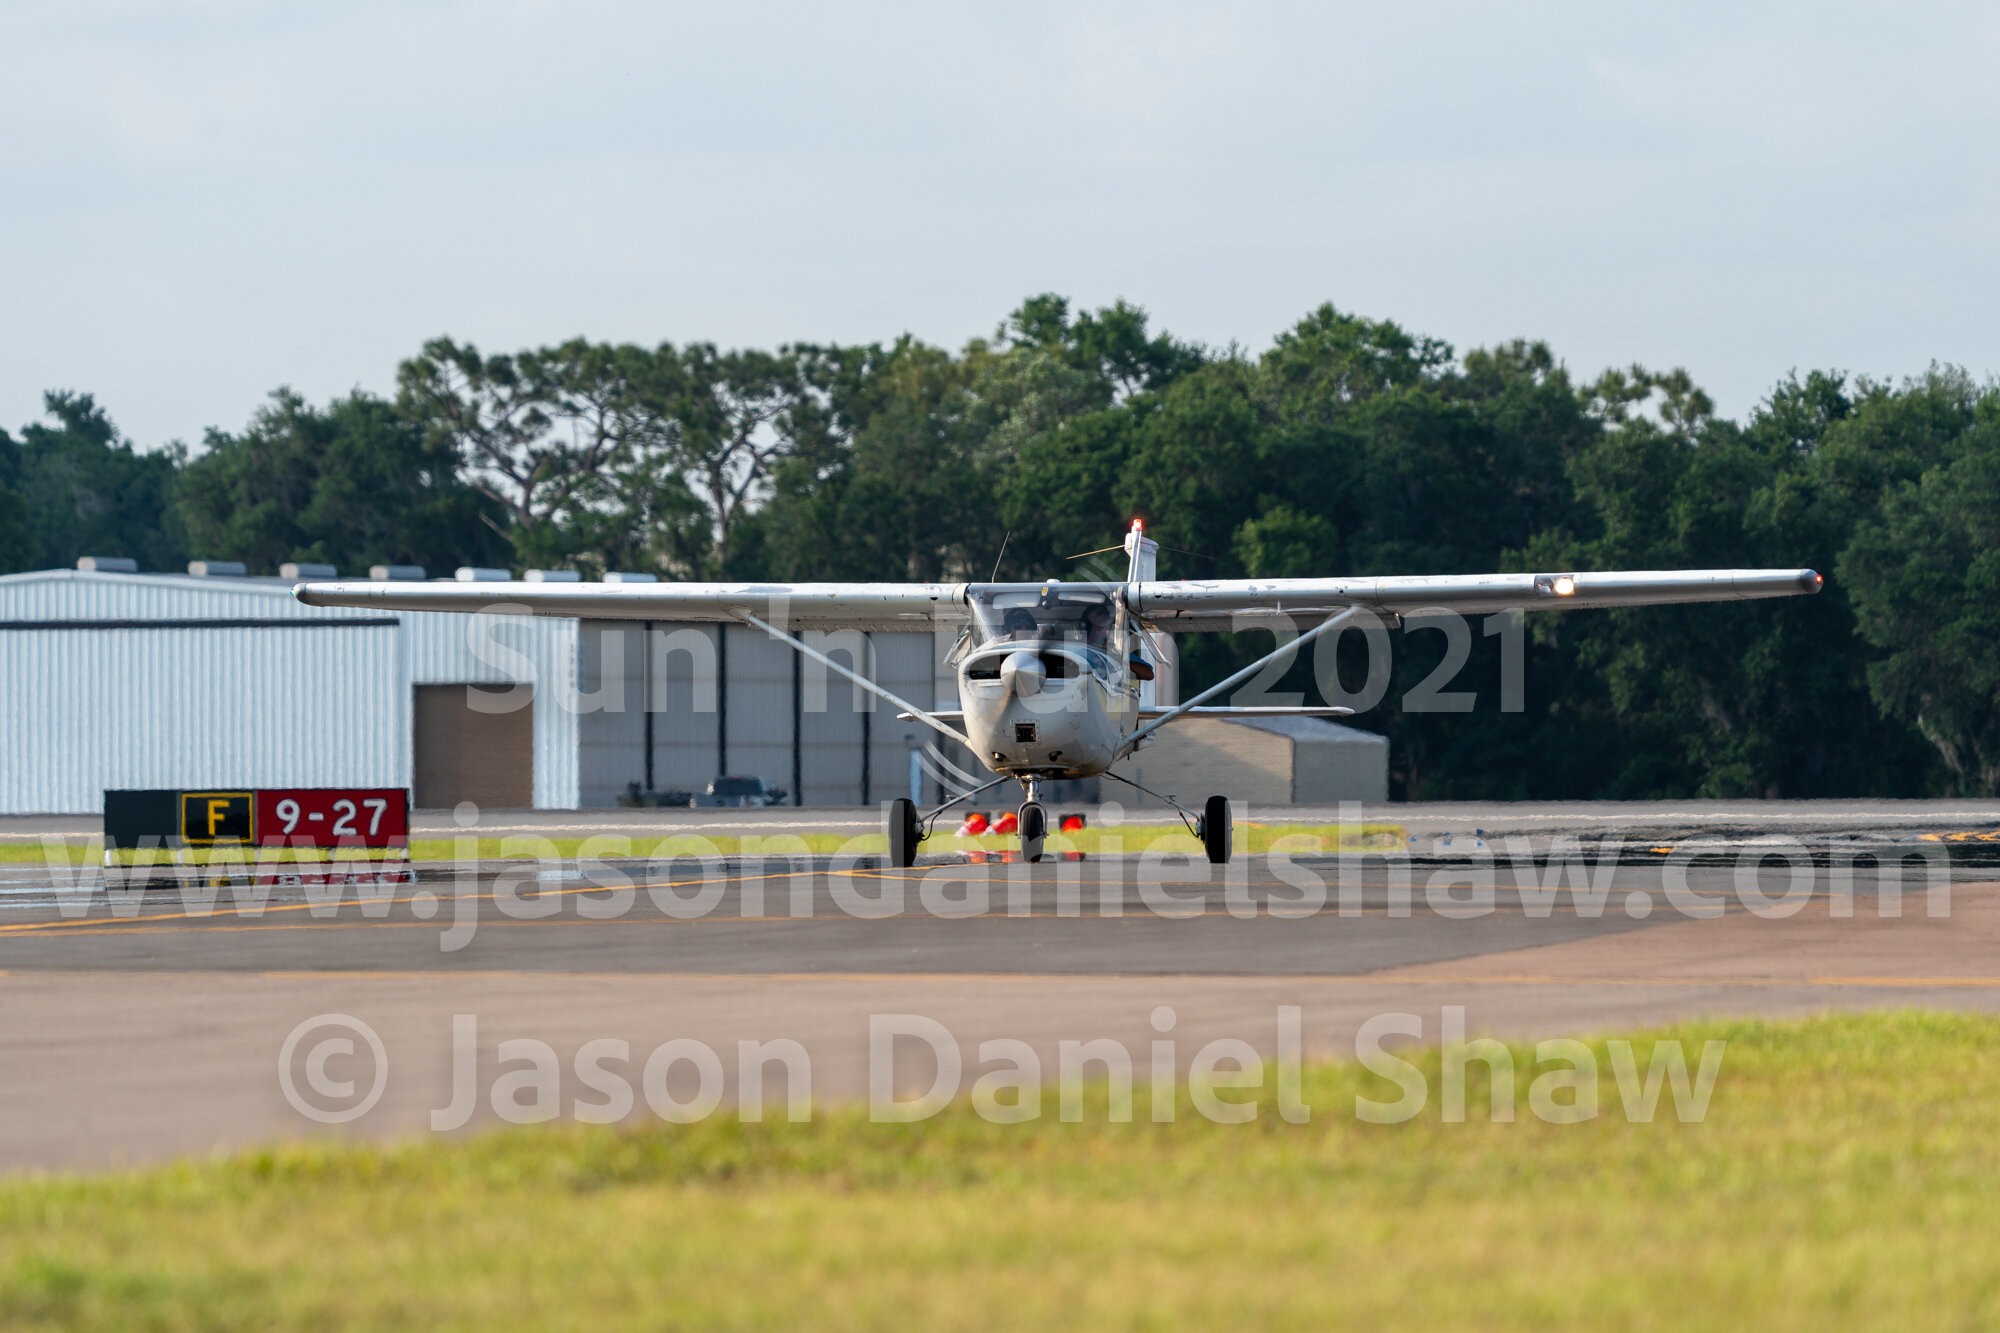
[{"x": 1811, "y": 580}]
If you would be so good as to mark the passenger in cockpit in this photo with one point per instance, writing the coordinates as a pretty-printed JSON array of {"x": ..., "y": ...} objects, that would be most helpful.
[{"x": 1019, "y": 623}]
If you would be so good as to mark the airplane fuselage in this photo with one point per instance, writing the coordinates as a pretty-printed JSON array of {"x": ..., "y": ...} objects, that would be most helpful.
[{"x": 1047, "y": 709}]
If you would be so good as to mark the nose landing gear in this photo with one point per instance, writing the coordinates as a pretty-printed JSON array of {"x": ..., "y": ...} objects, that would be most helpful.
[{"x": 1034, "y": 822}]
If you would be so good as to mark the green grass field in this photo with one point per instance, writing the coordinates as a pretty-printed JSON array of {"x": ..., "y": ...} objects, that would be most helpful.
[
  {"x": 1847, "y": 1176},
  {"x": 1299, "y": 839}
]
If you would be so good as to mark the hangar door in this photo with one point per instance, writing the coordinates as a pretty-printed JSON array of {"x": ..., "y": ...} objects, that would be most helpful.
[{"x": 466, "y": 755}]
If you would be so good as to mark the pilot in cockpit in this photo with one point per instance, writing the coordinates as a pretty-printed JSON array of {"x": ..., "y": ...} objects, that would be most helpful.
[{"x": 1019, "y": 623}]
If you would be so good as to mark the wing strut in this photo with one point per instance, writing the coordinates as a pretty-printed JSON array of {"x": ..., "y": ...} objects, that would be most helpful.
[
  {"x": 907, "y": 708},
  {"x": 1326, "y": 626}
]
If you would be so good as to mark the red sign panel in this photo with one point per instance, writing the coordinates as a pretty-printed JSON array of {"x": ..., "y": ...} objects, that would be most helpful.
[{"x": 334, "y": 817}]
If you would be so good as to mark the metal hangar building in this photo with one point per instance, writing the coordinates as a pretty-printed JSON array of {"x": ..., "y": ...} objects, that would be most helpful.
[{"x": 140, "y": 680}]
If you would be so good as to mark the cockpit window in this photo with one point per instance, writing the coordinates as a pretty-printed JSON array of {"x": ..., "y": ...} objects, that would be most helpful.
[{"x": 1080, "y": 613}]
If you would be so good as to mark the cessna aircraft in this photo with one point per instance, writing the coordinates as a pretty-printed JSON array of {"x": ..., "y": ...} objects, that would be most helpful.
[{"x": 1063, "y": 680}]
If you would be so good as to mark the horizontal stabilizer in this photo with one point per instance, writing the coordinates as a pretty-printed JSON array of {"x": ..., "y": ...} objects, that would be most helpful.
[
  {"x": 958, "y": 714},
  {"x": 1260, "y": 710}
]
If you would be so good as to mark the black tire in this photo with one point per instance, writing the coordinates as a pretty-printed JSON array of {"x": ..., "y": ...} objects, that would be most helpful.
[
  {"x": 904, "y": 832},
  {"x": 1216, "y": 830},
  {"x": 1034, "y": 822}
]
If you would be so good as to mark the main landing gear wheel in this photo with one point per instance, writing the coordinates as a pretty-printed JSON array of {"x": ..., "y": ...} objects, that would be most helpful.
[
  {"x": 1215, "y": 830},
  {"x": 904, "y": 832},
  {"x": 1034, "y": 827}
]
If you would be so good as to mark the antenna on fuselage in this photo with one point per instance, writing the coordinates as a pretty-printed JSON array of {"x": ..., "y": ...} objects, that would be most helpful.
[{"x": 1002, "y": 556}]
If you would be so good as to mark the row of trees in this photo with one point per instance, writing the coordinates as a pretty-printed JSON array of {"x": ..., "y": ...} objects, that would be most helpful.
[{"x": 1351, "y": 446}]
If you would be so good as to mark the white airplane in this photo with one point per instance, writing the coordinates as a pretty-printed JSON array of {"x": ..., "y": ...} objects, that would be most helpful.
[{"x": 1062, "y": 680}]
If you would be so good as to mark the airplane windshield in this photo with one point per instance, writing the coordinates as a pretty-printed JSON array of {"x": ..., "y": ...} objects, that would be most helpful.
[{"x": 1080, "y": 613}]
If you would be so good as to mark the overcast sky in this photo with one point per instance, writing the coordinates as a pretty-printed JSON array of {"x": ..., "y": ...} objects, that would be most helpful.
[{"x": 204, "y": 201}]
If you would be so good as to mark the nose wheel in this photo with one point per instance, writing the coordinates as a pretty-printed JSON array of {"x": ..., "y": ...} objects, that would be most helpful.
[
  {"x": 1033, "y": 819},
  {"x": 1034, "y": 828}
]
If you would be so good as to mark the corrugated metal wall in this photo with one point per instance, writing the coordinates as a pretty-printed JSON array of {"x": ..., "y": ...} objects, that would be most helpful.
[
  {"x": 1337, "y": 768},
  {"x": 770, "y": 698},
  {"x": 425, "y": 649},
  {"x": 88, "y": 709},
  {"x": 758, "y": 713},
  {"x": 1266, "y": 762},
  {"x": 906, "y": 664},
  {"x": 610, "y": 669},
  {"x": 835, "y": 718},
  {"x": 686, "y": 697}
]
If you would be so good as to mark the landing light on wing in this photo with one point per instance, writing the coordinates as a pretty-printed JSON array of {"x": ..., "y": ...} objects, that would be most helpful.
[{"x": 1565, "y": 585}]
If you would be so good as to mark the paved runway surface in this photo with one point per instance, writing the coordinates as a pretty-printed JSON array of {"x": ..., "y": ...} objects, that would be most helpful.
[
  {"x": 140, "y": 1024},
  {"x": 1423, "y": 819}
]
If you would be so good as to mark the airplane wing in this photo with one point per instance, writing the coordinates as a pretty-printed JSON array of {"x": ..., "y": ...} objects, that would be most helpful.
[
  {"x": 864, "y": 606},
  {"x": 1218, "y": 604},
  {"x": 1187, "y": 605}
]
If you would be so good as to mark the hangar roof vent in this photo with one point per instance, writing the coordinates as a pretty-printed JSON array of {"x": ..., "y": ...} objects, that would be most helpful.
[
  {"x": 616, "y": 576},
  {"x": 217, "y": 569},
  {"x": 108, "y": 564},
  {"x": 553, "y": 576},
  {"x": 308, "y": 572},
  {"x": 476, "y": 574},
  {"x": 396, "y": 573}
]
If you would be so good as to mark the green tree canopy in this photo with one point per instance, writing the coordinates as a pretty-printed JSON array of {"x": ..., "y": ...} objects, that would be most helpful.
[
  {"x": 1924, "y": 570},
  {"x": 79, "y": 488},
  {"x": 352, "y": 484}
]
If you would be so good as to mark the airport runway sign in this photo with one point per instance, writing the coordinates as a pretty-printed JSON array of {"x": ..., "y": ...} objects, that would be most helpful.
[{"x": 307, "y": 818}]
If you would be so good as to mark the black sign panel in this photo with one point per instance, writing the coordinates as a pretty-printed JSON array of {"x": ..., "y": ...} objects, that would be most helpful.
[
  {"x": 209, "y": 817},
  {"x": 142, "y": 818}
]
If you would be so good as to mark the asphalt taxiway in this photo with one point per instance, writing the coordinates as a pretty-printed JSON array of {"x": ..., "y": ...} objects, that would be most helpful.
[{"x": 148, "y": 1022}]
